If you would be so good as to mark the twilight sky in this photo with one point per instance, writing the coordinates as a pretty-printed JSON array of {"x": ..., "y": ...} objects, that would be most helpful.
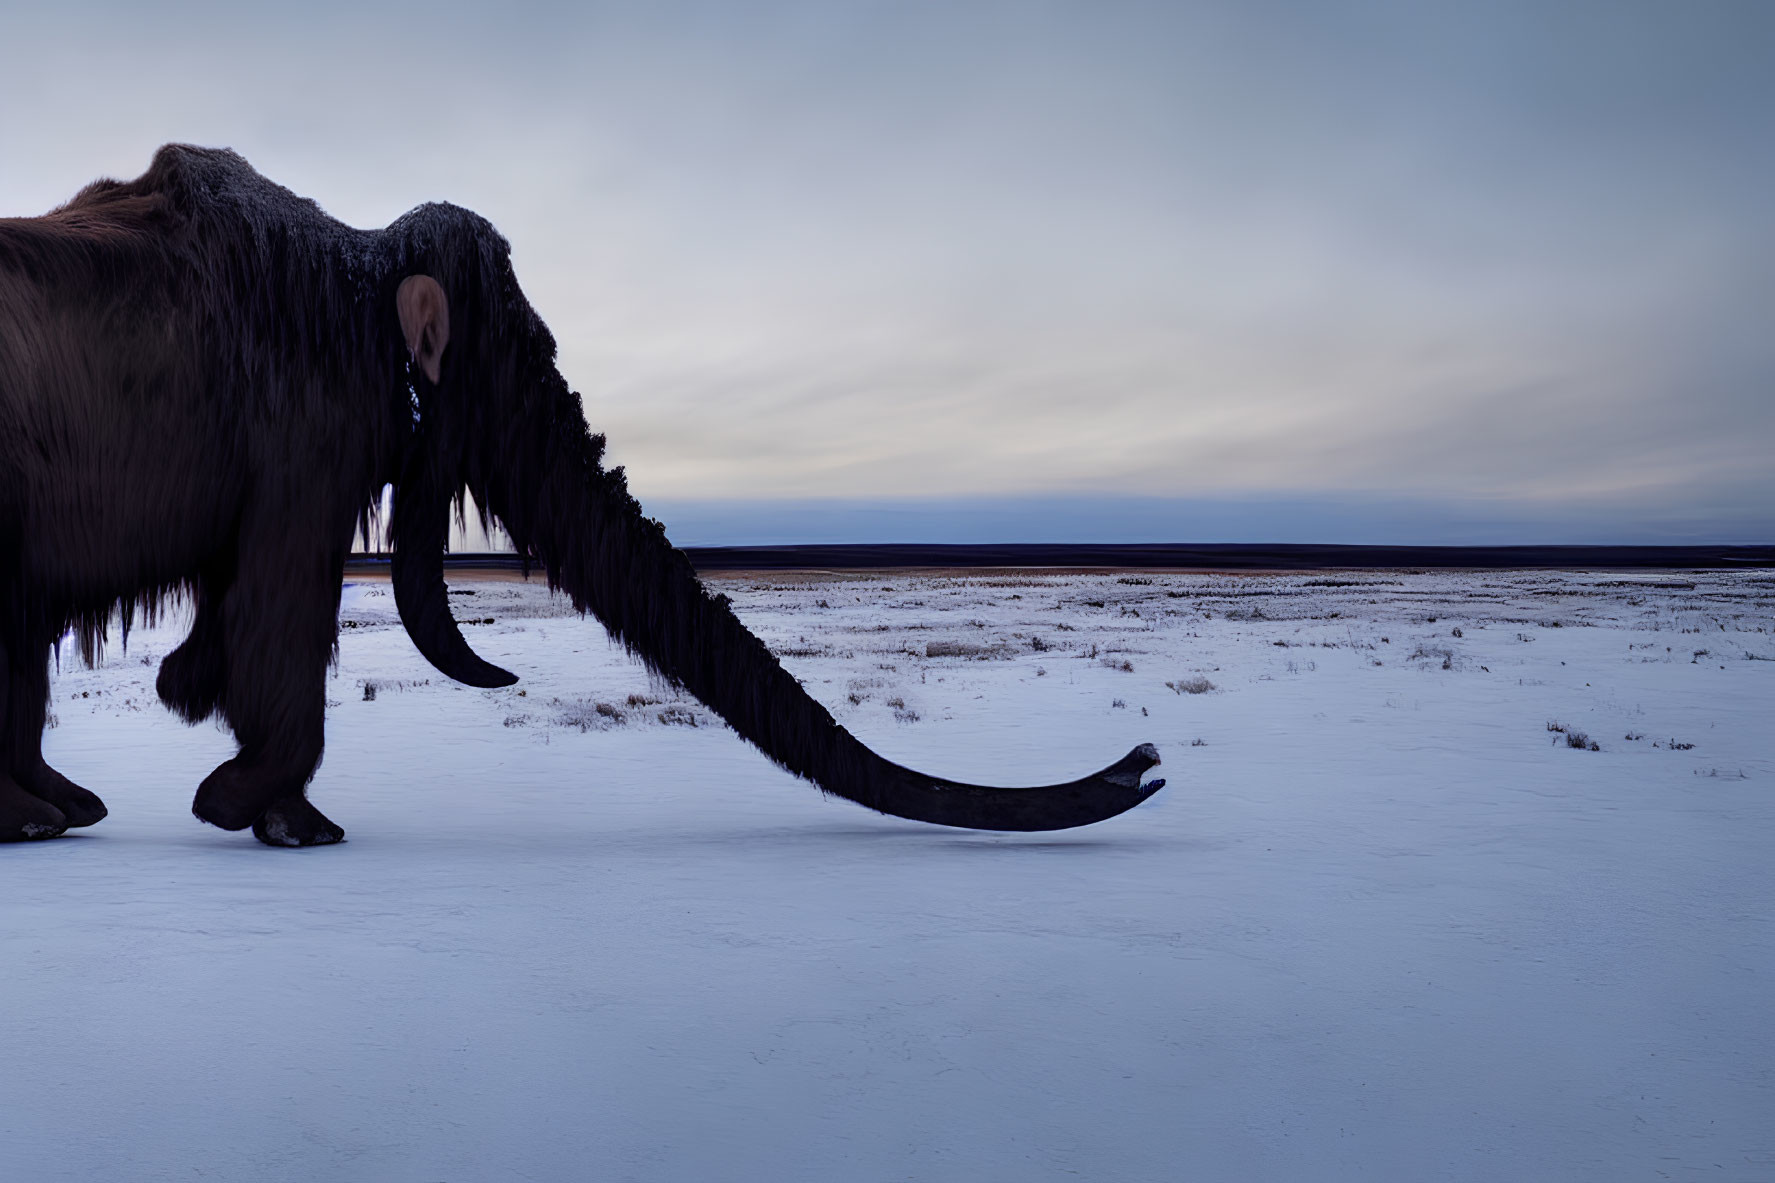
[{"x": 1241, "y": 271}]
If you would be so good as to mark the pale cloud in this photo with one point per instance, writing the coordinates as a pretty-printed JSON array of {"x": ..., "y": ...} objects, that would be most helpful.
[{"x": 1477, "y": 256}]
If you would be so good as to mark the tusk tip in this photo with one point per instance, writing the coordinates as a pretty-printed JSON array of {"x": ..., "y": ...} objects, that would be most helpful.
[{"x": 487, "y": 677}]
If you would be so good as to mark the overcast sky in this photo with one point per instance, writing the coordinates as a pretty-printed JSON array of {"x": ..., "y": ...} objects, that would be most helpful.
[{"x": 1257, "y": 271}]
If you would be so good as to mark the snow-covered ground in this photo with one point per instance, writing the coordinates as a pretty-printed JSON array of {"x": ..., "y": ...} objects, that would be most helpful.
[{"x": 1383, "y": 925}]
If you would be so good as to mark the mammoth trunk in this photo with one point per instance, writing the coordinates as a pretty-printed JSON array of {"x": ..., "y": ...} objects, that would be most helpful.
[{"x": 580, "y": 523}]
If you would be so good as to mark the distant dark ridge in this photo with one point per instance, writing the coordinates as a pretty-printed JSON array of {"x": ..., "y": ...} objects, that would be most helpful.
[
  {"x": 1222, "y": 556},
  {"x": 1235, "y": 556}
]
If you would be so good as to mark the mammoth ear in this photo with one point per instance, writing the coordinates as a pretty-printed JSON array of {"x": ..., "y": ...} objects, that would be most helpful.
[{"x": 425, "y": 320}]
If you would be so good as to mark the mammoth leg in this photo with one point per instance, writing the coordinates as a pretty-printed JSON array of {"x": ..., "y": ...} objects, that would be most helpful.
[
  {"x": 23, "y": 711},
  {"x": 278, "y": 622},
  {"x": 27, "y": 703},
  {"x": 193, "y": 677},
  {"x": 22, "y": 815}
]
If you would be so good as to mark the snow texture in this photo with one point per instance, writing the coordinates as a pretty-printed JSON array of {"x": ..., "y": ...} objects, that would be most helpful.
[{"x": 1383, "y": 925}]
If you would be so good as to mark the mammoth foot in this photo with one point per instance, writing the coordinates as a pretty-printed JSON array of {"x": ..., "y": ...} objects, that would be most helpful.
[
  {"x": 24, "y": 818},
  {"x": 294, "y": 821},
  {"x": 79, "y": 806},
  {"x": 235, "y": 795}
]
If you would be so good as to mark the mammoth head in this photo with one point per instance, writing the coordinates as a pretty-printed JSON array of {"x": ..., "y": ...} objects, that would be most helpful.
[
  {"x": 500, "y": 421},
  {"x": 420, "y": 528}
]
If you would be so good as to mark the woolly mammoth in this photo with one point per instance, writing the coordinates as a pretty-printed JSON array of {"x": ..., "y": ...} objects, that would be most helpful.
[{"x": 206, "y": 382}]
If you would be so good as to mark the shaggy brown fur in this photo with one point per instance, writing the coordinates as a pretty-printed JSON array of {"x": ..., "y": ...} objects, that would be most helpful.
[{"x": 204, "y": 385}]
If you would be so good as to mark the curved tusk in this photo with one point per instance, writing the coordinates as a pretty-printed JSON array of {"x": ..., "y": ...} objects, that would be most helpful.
[{"x": 420, "y": 530}]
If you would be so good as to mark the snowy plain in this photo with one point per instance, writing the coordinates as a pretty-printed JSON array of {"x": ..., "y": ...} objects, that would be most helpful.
[{"x": 1383, "y": 924}]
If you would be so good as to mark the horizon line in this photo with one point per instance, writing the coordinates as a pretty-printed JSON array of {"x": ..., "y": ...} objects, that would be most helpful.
[{"x": 1176, "y": 556}]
